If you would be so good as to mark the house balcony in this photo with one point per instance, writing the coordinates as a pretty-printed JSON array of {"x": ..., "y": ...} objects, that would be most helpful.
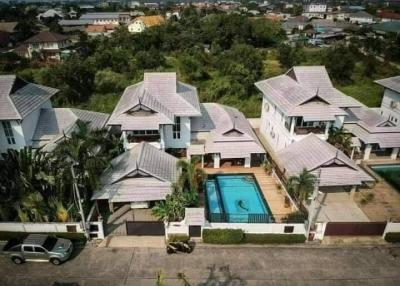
[
  {"x": 304, "y": 130},
  {"x": 133, "y": 140}
]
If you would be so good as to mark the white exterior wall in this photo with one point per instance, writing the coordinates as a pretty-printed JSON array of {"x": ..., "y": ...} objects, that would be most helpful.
[
  {"x": 182, "y": 142},
  {"x": 390, "y": 106},
  {"x": 361, "y": 20},
  {"x": 38, "y": 227},
  {"x": 18, "y": 136},
  {"x": 106, "y": 21},
  {"x": 315, "y": 8},
  {"x": 277, "y": 228},
  {"x": 136, "y": 27}
]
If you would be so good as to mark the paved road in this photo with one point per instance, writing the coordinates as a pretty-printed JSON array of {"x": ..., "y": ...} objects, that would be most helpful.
[{"x": 215, "y": 266}]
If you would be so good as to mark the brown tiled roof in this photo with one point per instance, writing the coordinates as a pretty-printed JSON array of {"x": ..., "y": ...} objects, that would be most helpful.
[
  {"x": 8, "y": 27},
  {"x": 95, "y": 29},
  {"x": 389, "y": 15},
  {"x": 46, "y": 36},
  {"x": 151, "y": 20}
]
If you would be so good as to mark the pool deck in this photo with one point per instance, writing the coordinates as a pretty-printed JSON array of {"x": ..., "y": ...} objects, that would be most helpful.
[{"x": 274, "y": 196}]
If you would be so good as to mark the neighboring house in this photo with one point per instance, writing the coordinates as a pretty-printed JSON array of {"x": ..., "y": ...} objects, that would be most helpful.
[
  {"x": 333, "y": 168},
  {"x": 223, "y": 135},
  {"x": 8, "y": 33},
  {"x": 50, "y": 14},
  {"x": 141, "y": 23},
  {"x": 389, "y": 16},
  {"x": 304, "y": 101},
  {"x": 315, "y": 10},
  {"x": 390, "y": 106},
  {"x": 97, "y": 30},
  {"x": 300, "y": 102},
  {"x": 74, "y": 25},
  {"x": 139, "y": 177},
  {"x": 378, "y": 136},
  {"x": 104, "y": 18},
  {"x": 28, "y": 119},
  {"x": 47, "y": 44},
  {"x": 298, "y": 23},
  {"x": 361, "y": 17},
  {"x": 158, "y": 110}
]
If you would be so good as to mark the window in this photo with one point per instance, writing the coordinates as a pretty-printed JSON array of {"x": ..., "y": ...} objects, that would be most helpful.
[
  {"x": 8, "y": 132},
  {"x": 39, "y": 249},
  {"x": 176, "y": 129},
  {"x": 28, "y": 248}
]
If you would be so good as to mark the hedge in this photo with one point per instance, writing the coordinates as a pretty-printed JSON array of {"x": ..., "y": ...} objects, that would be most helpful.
[
  {"x": 392, "y": 237},
  {"x": 266, "y": 238},
  {"x": 73, "y": 236},
  {"x": 223, "y": 236}
]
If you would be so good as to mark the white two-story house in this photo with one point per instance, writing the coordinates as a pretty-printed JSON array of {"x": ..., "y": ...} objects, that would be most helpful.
[
  {"x": 46, "y": 44},
  {"x": 300, "y": 102},
  {"x": 157, "y": 110},
  {"x": 27, "y": 117},
  {"x": 390, "y": 106},
  {"x": 304, "y": 101}
]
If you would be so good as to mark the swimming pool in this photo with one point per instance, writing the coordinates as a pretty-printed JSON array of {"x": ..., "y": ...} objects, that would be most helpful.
[
  {"x": 236, "y": 198},
  {"x": 391, "y": 173}
]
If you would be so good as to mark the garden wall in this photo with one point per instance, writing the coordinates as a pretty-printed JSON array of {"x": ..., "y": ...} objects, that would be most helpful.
[
  {"x": 277, "y": 228},
  {"x": 41, "y": 227}
]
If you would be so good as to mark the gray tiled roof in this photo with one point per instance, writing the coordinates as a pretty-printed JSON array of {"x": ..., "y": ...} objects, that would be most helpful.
[
  {"x": 100, "y": 15},
  {"x": 19, "y": 98},
  {"x": 316, "y": 155},
  {"x": 154, "y": 169},
  {"x": 230, "y": 134},
  {"x": 370, "y": 127},
  {"x": 53, "y": 123},
  {"x": 392, "y": 83},
  {"x": 160, "y": 93},
  {"x": 303, "y": 91},
  {"x": 75, "y": 22}
]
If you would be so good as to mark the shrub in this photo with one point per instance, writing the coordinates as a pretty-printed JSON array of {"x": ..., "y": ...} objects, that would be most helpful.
[
  {"x": 393, "y": 237},
  {"x": 261, "y": 238},
  {"x": 178, "y": 237},
  {"x": 74, "y": 236},
  {"x": 223, "y": 236}
]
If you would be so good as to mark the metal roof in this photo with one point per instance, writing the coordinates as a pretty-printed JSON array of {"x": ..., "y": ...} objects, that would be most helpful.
[
  {"x": 19, "y": 98},
  {"x": 318, "y": 156},
  {"x": 392, "y": 83},
  {"x": 141, "y": 174},
  {"x": 155, "y": 101}
]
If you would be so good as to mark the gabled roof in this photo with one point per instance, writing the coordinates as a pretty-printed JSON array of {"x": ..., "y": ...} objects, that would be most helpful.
[
  {"x": 54, "y": 123},
  {"x": 370, "y": 127},
  {"x": 155, "y": 101},
  {"x": 392, "y": 83},
  {"x": 140, "y": 174},
  {"x": 8, "y": 27},
  {"x": 19, "y": 98},
  {"x": 305, "y": 92},
  {"x": 47, "y": 37},
  {"x": 318, "y": 156},
  {"x": 100, "y": 15},
  {"x": 230, "y": 134}
]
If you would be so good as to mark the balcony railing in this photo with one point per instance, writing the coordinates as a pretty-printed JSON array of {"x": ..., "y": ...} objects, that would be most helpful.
[
  {"x": 147, "y": 138},
  {"x": 302, "y": 130}
]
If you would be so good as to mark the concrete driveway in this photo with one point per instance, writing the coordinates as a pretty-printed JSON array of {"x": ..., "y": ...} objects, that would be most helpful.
[{"x": 228, "y": 266}]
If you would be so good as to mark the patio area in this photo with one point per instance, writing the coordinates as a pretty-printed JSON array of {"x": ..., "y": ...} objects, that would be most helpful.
[{"x": 269, "y": 187}]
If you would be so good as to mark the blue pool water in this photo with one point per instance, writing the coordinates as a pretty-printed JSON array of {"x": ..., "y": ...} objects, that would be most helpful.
[
  {"x": 391, "y": 173},
  {"x": 236, "y": 198}
]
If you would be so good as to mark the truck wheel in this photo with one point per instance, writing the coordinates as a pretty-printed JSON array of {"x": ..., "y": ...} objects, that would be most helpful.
[
  {"x": 17, "y": 260},
  {"x": 55, "y": 261}
]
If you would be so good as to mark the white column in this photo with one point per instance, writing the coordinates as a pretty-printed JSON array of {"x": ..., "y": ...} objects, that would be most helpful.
[
  {"x": 328, "y": 125},
  {"x": 395, "y": 152},
  {"x": 367, "y": 151},
  {"x": 352, "y": 153},
  {"x": 124, "y": 140},
  {"x": 216, "y": 160},
  {"x": 247, "y": 162},
  {"x": 111, "y": 206},
  {"x": 162, "y": 142},
  {"x": 292, "y": 125},
  {"x": 202, "y": 161}
]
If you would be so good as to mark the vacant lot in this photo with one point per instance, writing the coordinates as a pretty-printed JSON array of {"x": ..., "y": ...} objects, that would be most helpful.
[{"x": 215, "y": 266}]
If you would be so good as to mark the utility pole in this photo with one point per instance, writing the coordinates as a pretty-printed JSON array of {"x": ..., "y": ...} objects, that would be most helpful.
[
  {"x": 311, "y": 210},
  {"x": 78, "y": 198}
]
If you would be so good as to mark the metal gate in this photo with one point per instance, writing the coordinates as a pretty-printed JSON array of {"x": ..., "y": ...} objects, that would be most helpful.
[
  {"x": 153, "y": 228},
  {"x": 194, "y": 231},
  {"x": 355, "y": 228}
]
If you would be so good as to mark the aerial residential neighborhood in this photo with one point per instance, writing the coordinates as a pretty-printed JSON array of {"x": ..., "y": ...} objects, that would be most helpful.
[{"x": 202, "y": 143}]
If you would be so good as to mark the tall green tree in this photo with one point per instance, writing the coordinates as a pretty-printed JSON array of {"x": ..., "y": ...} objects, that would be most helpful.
[
  {"x": 302, "y": 185},
  {"x": 340, "y": 62},
  {"x": 192, "y": 175},
  {"x": 341, "y": 139}
]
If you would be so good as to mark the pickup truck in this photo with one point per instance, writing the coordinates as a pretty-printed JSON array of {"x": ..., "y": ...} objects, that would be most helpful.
[{"x": 38, "y": 247}]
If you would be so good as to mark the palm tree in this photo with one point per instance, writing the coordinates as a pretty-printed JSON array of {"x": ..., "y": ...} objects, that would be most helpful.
[
  {"x": 341, "y": 139},
  {"x": 302, "y": 186},
  {"x": 191, "y": 177},
  {"x": 34, "y": 205}
]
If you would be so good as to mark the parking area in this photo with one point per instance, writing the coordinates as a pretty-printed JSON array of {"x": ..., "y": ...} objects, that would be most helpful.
[{"x": 228, "y": 266}]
